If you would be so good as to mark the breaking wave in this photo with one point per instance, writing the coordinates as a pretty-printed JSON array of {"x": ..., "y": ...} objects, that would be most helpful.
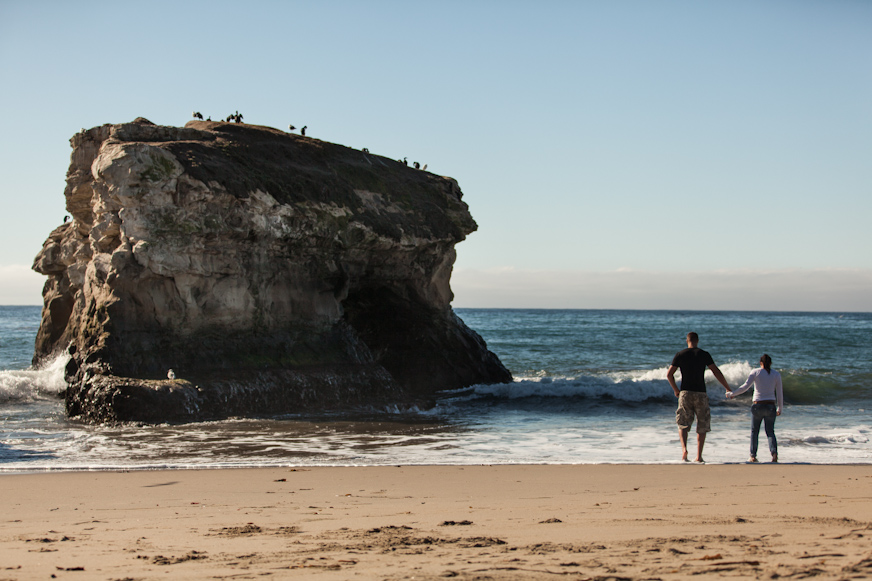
[
  {"x": 800, "y": 386},
  {"x": 844, "y": 438},
  {"x": 44, "y": 382}
]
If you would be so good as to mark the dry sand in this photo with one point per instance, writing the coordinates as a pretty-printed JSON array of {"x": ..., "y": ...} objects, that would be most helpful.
[{"x": 435, "y": 522}]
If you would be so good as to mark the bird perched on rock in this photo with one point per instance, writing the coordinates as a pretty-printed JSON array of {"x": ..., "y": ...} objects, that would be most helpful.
[
  {"x": 417, "y": 165},
  {"x": 425, "y": 167},
  {"x": 171, "y": 374},
  {"x": 291, "y": 127},
  {"x": 198, "y": 115},
  {"x": 229, "y": 118},
  {"x": 405, "y": 161},
  {"x": 365, "y": 150},
  {"x": 303, "y": 130}
]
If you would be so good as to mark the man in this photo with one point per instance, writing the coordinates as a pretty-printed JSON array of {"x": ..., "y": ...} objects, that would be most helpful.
[{"x": 692, "y": 398}]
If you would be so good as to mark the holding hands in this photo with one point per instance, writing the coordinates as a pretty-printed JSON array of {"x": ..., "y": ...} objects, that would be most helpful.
[{"x": 730, "y": 394}]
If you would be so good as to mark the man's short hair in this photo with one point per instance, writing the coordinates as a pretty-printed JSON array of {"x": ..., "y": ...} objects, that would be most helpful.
[{"x": 693, "y": 337}]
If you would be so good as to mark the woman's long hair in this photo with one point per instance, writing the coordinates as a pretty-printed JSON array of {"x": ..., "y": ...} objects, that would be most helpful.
[{"x": 767, "y": 363}]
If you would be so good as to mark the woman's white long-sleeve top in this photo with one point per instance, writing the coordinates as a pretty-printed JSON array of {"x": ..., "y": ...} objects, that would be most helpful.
[{"x": 767, "y": 386}]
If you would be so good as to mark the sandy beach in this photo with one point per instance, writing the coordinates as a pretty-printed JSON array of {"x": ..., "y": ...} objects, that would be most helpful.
[{"x": 434, "y": 522}]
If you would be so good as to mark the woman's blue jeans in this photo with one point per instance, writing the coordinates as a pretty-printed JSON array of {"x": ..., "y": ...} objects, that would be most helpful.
[{"x": 765, "y": 413}]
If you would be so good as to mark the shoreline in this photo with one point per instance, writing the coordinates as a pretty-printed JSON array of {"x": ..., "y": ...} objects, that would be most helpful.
[
  {"x": 301, "y": 467},
  {"x": 519, "y": 521}
]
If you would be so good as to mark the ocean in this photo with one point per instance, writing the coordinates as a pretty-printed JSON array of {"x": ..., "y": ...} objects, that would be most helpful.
[{"x": 590, "y": 387}]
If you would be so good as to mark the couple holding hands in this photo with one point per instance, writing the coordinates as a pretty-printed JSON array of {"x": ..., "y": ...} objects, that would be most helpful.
[{"x": 693, "y": 402}]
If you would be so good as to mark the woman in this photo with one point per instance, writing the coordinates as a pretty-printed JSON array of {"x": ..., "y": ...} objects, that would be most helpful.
[{"x": 768, "y": 402}]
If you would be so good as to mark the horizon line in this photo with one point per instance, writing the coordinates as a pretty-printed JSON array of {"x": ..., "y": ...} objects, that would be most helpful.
[{"x": 846, "y": 312}]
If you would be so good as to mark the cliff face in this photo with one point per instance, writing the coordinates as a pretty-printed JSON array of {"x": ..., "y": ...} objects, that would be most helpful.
[{"x": 273, "y": 273}]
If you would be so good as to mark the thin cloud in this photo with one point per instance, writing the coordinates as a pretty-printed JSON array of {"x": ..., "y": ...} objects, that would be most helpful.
[
  {"x": 824, "y": 289},
  {"x": 19, "y": 285}
]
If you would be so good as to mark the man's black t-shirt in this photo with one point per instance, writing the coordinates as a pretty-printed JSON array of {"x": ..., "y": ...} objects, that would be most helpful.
[{"x": 692, "y": 362}]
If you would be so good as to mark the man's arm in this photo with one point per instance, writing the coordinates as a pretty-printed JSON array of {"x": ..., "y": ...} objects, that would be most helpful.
[
  {"x": 719, "y": 376},
  {"x": 670, "y": 377}
]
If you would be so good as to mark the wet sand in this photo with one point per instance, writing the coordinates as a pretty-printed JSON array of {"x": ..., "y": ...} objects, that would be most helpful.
[{"x": 437, "y": 522}]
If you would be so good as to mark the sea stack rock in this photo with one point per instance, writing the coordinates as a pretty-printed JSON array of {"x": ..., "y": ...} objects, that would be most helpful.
[{"x": 272, "y": 273}]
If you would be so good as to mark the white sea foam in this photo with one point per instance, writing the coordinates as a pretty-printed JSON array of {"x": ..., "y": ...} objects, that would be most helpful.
[
  {"x": 519, "y": 437},
  {"x": 34, "y": 383},
  {"x": 840, "y": 438},
  {"x": 735, "y": 372},
  {"x": 631, "y": 386}
]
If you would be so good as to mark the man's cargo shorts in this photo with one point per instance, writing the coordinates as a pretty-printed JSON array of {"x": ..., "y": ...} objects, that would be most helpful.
[{"x": 694, "y": 404}]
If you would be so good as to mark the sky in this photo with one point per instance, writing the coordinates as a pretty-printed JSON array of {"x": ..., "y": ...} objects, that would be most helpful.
[{"x": 615, "y": 154}]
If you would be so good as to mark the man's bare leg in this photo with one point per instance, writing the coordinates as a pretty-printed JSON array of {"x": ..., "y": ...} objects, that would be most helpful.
[
  {"x": 700, "y": 442},
  {"x": 682, "y": 436}
]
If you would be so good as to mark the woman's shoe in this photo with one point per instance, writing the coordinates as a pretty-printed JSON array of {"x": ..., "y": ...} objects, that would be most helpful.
[
  {"x": 775, "y": 458},
  {"x": 752, "y": 459}
]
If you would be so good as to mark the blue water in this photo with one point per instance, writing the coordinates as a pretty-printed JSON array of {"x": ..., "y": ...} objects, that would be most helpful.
[{"x": 590, "y": 388}]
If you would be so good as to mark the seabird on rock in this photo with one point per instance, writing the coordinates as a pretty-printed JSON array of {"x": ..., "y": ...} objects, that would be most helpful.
[
  {"x": 365, "y": 150},
  {"x": 171, "y": 374},
  {"x": 198, "y": 115},
  {"x": 291, "y": 127},
  {"x": 417, "y": 165},
  {"x": 229, "y": 118},
  {"x": 425, "y": 167},
  {"x": 406, "y": 160},
  {"x": 66, "y": 219},
  {"x": 303, "y": 130}
]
